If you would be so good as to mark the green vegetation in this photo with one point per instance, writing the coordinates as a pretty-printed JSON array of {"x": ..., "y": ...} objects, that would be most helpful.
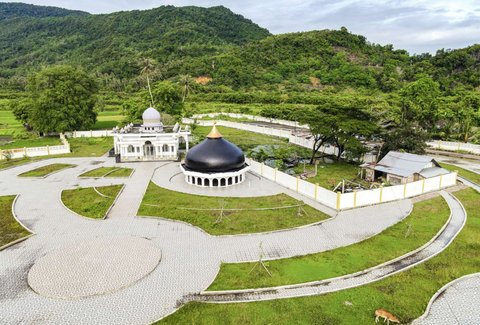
[
  {"x": 472, "y": 176},
  {"x": 88, "y": 203},
  {"x": 59, "y": 99},
  {"x": 243, "y": 139},
  {"x": 10, "y": 229},
  {"x": 89, "y": 147},
  {"x": 200, "y": 211},
  {"x": 45, "y": 170},
  {"x": 108, "y": 172},
  {"x": 330, "y": 174},
  {"x": 426, "y": 219},
  {"x": 405, "y": 294},
  {"x": 34, "y": 142},
  {"x": 107, "y": 120}
]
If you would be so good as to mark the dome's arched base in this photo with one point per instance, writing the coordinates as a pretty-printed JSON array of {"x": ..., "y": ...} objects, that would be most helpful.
[{"x": 223, "y": 179}]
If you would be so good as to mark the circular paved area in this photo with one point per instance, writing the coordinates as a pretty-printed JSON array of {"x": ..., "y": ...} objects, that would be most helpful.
[
  {"x": 190, "y": 258},
  {"x": 93, "y": 267}
]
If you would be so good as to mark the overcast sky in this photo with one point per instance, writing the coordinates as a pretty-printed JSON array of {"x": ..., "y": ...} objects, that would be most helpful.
[{"x": 415, "y": 25}]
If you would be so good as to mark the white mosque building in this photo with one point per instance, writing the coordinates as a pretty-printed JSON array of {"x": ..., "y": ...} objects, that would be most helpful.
[{"x": 150, "y": 141}]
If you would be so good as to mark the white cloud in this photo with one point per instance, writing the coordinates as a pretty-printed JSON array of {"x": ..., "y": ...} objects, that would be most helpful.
[{"x": 415, "y": 25}]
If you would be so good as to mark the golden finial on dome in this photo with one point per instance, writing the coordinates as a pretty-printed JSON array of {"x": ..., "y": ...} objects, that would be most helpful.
[{"x": 214, "y": 134}]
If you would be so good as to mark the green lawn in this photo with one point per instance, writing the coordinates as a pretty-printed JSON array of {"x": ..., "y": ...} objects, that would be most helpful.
[
  {"x": 474, "y": 177},
  {"x": 422, "y": 224},
  {"x": 79, "y": 147},
  {"x": 10, "y": 229},
  {"x": 88, "y": 203},
  {"x": 89, "y": 147},
  {"x": 107, "y": 120},
  {"x": 199, "y": 107},
  {"x": 330, "y": 174},
  {"x": 108, "y": 172},
  {"x": 180, "y": 206},
  {"x": 33, "y": 142},
  {"x": 45, "y": 170},
  {"x": 405, "y": 294},
  {"x": 241, "y": 138}
]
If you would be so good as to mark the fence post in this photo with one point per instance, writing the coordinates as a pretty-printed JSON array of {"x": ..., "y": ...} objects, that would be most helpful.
[
  {"x": 316, "y": 190},
  {"x": 354, "y": 199},
  {"x": 381, "y": 194},
  {"x": 298, "y": 179},
  {"x": 338, "y": 200},
  {"x": 91, "y": 133},
  {"x": 48, "y": 150},
  {"x": 423, "y": 185},
  {"x": 441, "y": 177},
  {"x": 25, "y": 151},
  {"x": 275, "y": 174},
  {"x": 405, "y": 190}
]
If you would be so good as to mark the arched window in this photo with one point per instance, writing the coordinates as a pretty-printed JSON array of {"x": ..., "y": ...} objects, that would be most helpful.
[
  {"x": 206, "y": 182},
  {"x": 230, "y": 180},
  {"x": 130, "y": 148},
  {"x": 222, "y": 182},
  {"x": 165, "y": 148},
  {"x": 215, "y": 182}
]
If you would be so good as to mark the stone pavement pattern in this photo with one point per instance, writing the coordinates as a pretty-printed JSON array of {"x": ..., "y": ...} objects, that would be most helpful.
[
  {"x": 441, "y": 241},
  {"x": 457, "y": 304},
  {"x": 190, "y": 258}
]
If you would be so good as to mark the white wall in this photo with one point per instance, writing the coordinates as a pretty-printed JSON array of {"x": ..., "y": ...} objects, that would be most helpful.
[
  {"x": 254, "y": 118},
  {"x": 354, "y": 199},
  {"x": 37, "y": 151},
  {"x": 454, "y": 146},
  {"x": 90, "y": 134}
]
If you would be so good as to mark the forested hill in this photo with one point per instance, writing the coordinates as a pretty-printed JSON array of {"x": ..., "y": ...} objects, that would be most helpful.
[
  {"x": 13, "y": 10},
  {"x": 217, "y": 43},
  {"x": 113, "y": 43}
]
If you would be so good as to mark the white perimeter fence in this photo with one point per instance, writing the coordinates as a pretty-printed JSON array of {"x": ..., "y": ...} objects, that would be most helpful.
[
  {"x": 253, "y": 118},
  {"x": 455, "y": 146},
  {"x": 36, "y": 151},
  {"x": 339, "y": 201},
  {"x": 90, "y": 134}
]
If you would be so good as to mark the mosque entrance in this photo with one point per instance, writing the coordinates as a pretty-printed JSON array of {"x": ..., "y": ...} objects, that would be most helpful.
[{"x": 148, "y": 149}]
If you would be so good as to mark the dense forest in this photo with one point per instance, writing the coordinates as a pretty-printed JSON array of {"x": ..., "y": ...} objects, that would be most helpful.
[{"x": 215, "y": 55}]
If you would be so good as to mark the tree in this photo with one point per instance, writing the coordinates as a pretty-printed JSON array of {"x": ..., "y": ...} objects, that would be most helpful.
[
  {"x": 342, "y": 124},
  {"x": 59, "y": 99},
  {"x": 405, "y": 138},
  {"x": 168, "y": 95},
  {"x": 419, "y": 103},
  {"x": 148, "y": 67},
  {"x": 185, "y": 81}
]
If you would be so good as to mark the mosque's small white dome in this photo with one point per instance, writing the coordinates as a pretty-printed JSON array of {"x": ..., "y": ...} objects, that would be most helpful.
[{"x": 151, "y": 117}]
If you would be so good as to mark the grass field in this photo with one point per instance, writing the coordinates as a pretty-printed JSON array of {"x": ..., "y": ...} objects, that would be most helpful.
[
  {"x": 88, "y": 203},
  {"x": 198, "y": 107},
  {"x": 474, "y": 177},
  {"x": 45, "y": 170},
  {"x": 10, "y": 229},
  {"x": 180, "y": 206},
  {"x": 33, "y": 142},
  {"x": 107, "y": 120},
  {"x": 330, "y": 174},
  {"x": 419, "y": 227},
  {"x": 405, "y": 294},
  {"x": 108, "y": 172},
  {"x": 243, "y": 139}
]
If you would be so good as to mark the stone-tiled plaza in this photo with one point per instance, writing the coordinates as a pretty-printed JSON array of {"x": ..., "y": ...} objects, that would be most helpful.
[{"x": 42, "y": 281}]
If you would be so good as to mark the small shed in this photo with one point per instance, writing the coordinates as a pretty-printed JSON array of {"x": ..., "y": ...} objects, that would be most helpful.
[{"x": 401, "y": 167}]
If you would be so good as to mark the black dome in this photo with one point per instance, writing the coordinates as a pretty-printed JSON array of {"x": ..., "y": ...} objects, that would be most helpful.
[{"x": 214, "y": 155}]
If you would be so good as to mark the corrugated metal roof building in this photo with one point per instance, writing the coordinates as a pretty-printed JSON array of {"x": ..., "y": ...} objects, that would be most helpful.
[{"x": 401, "y": 167}]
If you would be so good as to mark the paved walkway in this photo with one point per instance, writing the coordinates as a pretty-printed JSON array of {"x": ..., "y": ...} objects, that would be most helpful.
[
  {"x": 456, "y": 303},
  {"x": 434, "y": 247},
  {"x": 190, "y": 258}
]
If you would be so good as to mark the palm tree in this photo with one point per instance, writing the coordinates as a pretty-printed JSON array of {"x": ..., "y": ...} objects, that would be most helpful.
[
  {"x": 148, "y": 66},
  {"x": 185, "y": 80}
]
